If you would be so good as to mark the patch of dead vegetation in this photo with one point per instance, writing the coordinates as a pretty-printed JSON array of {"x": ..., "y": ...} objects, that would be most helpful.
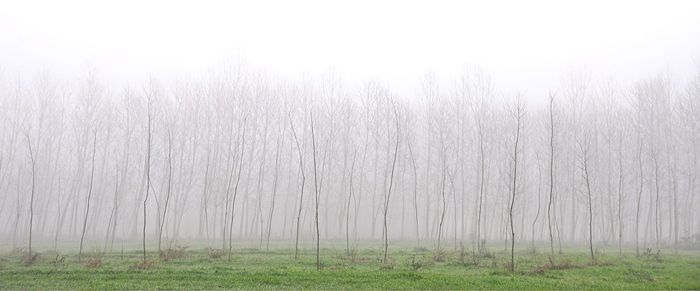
[
  {"x": 94, "y": 262},
  {"x": 439, "y": 256},
  {"x": 562, "y": 265},
  {"x": 30, "y": 259},
  {"x": 144, "y": 265},
  {"x": 215, "y": 253},
  {"x": 173, "y": 252}
]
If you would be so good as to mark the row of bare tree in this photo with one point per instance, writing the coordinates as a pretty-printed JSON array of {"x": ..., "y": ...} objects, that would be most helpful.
[{"x": 241, "y": 154}]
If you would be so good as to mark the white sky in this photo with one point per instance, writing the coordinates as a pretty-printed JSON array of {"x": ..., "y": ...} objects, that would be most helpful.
[{"x": 526, "y": 45}]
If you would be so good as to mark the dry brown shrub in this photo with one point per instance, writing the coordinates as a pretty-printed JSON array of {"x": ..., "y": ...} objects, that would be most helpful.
[
  {"x": 172, "y": 253},
  {"x": 31, "y": 259},
  {"x": 215, "y": 253},
  {"x": 94, "y": 262}
]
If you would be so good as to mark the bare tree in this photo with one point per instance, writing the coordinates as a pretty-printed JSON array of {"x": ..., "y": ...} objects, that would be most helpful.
[
  {"x": 274, "y": 186},
  {"x": 89, "y": 195},
  {"x": 169, "y": 186},
  {"x": 235, "y": 187},
  {"x": 316, "y": 192},
  {"x": 301, "y": 192},
  {"x": 585, "y": 156},
  {"x": 620, "y": 191},
  {"x": 551, "y": 176},
  {"x": 415, "y": 188},
  {"x": 31, "y": 197},
  {"x": 640, "y": 147},
  {"x": 391, "y": 182},
  {"x": 148, "y": 167},
  {"x": 443, "y": 179},
  {"x": 350, "y": 197},
  {"x": 539, "y": 191},
  {"x": 518, "y": 114}
]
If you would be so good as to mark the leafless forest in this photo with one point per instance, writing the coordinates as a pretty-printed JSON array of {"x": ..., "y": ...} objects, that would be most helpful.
[{"x": 241, "y": 154}]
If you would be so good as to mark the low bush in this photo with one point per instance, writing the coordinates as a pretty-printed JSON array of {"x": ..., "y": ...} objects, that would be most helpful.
[
  {"x": 417, "y": 263},
  {"x": 94, "y": 262},
  {"x": 31, "y": 259},
  {"x": 173, "y": 252},
  {"x": 439, "y": 256}
]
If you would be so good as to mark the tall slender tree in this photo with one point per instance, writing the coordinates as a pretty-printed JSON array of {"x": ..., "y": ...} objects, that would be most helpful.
[
  {"x": 518, "y": 114},
  {"x": 89, "y": 195},
  {"x": 550, "y": 203},
  {"x": 391, "y": 182}
]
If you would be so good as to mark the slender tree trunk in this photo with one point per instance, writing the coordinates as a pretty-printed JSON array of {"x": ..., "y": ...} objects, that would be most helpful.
[
  {"x": 87, "y": 206},
  {"x": 274, "y": 191},
  {"x": 674, "y": 186},
  {"x": 537, "y": 215},
  {"x": 227, "y": 209},
  {"x": 167, "y": 197},
  {"x": 31, "y": 197},
  {"x": 482, "y": 173},
  {"x": 551, "y": 177},
  {"x": 112, "y": 214},
  {"x": 18, "y": 211},
  {"x": 235, "y": 190},
  {"x": 347, "y": 213},
  {"x": 203, "y": 215},
  {"x": 58, "y": 209},
  {"x": 318, "y": 234},
  {"x": 415, "y": 191},
  {"x": 519, "y": 116},
  {"x": 620, "y": 190},
  {"x": 639, "y": 196},
  {"x": 301, "y": 192},
  {"x": 391, "y": 183},
  {"x": 148, "y": 178},
  {"x": 656, "y": 203},
  {"x": 444, "y": 202},
  {"x": 261, "y": 177},
  {"x": 584, "y": 148}
]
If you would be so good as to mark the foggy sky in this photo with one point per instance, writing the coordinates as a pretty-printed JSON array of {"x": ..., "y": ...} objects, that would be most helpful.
[{"x": 526, "y": 46}]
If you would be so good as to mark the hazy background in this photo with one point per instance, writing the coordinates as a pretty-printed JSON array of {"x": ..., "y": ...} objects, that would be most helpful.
[
  {"x": 525, "y": 45},
  {"x": 233, "y": 80}
]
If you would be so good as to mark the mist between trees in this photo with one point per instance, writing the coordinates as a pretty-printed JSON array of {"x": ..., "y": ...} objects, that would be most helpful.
[{"x": 238, "y": 154}]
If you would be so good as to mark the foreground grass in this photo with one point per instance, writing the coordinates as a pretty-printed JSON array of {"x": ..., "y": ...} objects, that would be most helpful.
[{"x": 409, "y": 269}]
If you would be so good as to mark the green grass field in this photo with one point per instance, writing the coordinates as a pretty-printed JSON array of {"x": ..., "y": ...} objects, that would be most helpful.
[{"x": 410, "y": 268}]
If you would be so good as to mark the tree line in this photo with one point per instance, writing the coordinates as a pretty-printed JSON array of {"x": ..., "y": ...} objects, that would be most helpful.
[{"x": 240, "y": 154}]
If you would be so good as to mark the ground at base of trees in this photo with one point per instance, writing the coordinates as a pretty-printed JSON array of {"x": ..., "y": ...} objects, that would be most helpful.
[{"x": 408, "y": 268}]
